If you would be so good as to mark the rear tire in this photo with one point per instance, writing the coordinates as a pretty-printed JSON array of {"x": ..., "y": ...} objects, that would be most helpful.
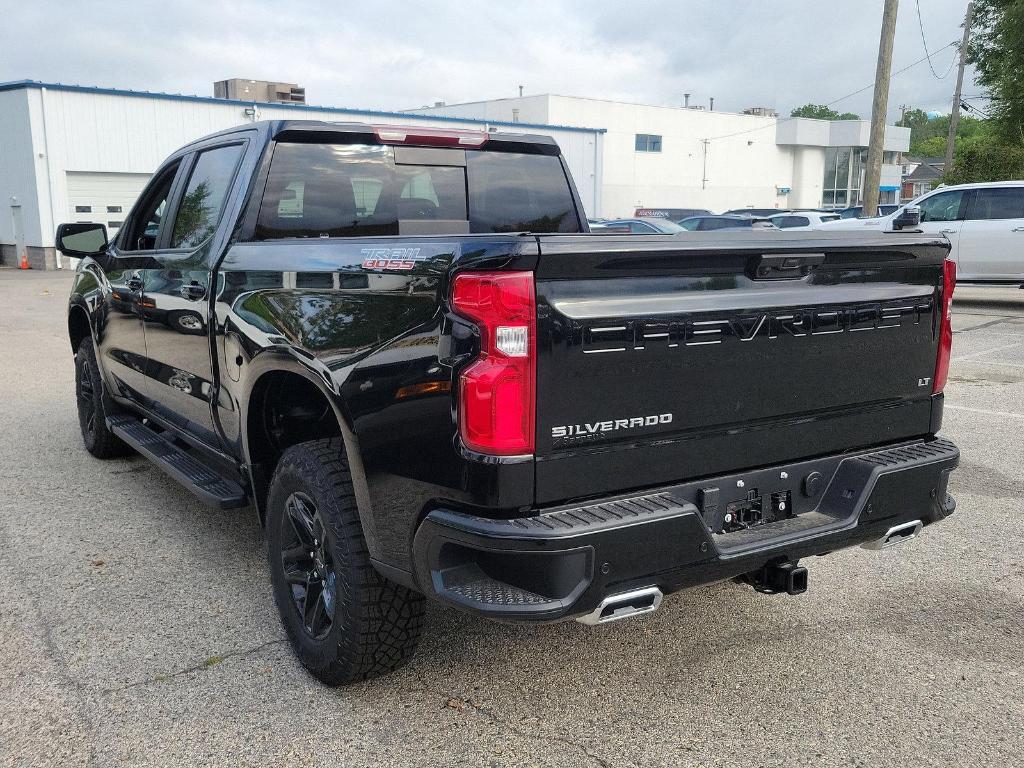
[
  {"x": 345, "y": 621},
  {"x": 92, "y": 406}
]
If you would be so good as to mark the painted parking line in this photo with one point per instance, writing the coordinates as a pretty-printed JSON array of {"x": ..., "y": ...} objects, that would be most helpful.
[{"x": 985, "y": 411}]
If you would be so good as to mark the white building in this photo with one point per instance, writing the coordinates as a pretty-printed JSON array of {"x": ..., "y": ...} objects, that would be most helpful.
[
  {"x": 73, "y": 153},
  {"x": 675, "y": 157}
]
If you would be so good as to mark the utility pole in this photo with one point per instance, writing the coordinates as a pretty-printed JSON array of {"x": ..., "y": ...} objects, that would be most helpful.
[
  {"x": 879, "y": 107},
  {"x": 954, "y": 116}
]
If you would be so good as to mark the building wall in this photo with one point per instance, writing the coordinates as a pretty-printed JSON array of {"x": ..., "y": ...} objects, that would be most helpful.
[
  {"x": 532, "y": 109},
  {"x": 19, "y": 194},
  {"x": 48, "y": 133},
  {"x": 742, "y": 170},
  {"x": 808, "y": 175}
]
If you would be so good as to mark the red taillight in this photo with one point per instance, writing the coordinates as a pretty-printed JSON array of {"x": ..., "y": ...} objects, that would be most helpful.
[
  {"x": 431, "y": 137},
  {"x": 497, "y": 391},
  {"x": 945, "y": 327}
]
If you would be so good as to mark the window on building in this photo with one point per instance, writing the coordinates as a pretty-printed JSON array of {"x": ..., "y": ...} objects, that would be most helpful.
[
  {"x": 844, "y": 176},
  {"x": 648, "y": 142},
  {"x": 83, "y": 209},
  {"x": 998, "y": 203},
  {"x": 113, "y": 209},
  {"x": 204, "y": 198},
  {"x": 115, "y": 224}
]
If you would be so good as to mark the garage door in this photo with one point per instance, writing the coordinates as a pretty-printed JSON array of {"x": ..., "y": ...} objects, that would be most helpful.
[{"x": 103, "y": 197}]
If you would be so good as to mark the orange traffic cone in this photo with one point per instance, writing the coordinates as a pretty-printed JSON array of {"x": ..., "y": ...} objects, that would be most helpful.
[{"x": 24, "y": 261}]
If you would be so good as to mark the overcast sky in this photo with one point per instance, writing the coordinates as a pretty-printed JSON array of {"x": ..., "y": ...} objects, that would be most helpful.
[{"x": 396, "y": 55}]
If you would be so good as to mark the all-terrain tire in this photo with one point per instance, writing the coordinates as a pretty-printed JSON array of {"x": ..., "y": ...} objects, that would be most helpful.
[
  {"x": 374, "y": 623},
  {"x": 93, "y": 406}
]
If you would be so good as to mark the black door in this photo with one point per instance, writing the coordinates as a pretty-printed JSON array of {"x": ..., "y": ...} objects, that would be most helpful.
[
  {"x": 177, "y": 294},
  {"x": 122, "y": 343}
]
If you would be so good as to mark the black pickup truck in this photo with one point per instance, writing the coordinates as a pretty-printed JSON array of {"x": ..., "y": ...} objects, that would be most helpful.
[{"x": 404, "y": 350}]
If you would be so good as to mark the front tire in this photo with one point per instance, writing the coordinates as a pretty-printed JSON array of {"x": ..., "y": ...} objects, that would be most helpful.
[
  {"x": 345, "y": 621},
  {"x": 92, "y": 406}
]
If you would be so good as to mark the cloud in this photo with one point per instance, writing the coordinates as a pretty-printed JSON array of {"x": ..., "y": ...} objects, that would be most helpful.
[{"x": 406, "y": 54}]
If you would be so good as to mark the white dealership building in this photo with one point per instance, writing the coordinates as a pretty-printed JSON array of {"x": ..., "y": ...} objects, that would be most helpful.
[
  {"x": 77, "y": 153},
  {"x": 686, "y": 157}
]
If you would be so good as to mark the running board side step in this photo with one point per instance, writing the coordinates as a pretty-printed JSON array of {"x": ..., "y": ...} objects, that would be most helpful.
[
  {"x": 895, "y": 535},
  {"x": 624, "y": 606},
  {"x": 205, "y": 482}
]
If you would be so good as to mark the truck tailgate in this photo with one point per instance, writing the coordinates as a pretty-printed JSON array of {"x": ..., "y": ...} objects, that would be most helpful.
[{"x": 662, "y": 358}]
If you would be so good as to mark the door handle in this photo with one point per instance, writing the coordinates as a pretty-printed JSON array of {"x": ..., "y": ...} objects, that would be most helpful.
[
  {"x": 947, "y": 231},
  {"x": 193, "y": 291},
  {"x": 1017, "y": 229}
]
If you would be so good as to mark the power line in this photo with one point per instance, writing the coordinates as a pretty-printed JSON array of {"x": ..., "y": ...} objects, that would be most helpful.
[
  {"x": 831, "y": 103},
  {"x": 927, "y": 55},
  {"x": 971, "y": 108}
]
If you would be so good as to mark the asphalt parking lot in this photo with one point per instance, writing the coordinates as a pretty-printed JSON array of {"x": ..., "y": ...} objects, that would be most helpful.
[{"x": 137, "y": 626}]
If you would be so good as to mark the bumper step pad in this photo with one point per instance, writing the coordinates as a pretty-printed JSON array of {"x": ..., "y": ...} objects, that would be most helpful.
[{"x": 205, "y": 482}]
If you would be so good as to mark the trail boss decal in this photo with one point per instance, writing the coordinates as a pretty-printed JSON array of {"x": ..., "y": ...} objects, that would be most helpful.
[
  {"x": 597, "y": 428},
  {"x": 391, "y": 258}
]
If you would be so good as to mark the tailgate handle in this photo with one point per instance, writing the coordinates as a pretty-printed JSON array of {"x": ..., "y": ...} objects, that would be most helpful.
[{"x": 783, "y": 266}]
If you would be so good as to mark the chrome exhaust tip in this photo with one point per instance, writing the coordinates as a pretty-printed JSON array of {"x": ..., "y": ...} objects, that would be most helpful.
[
  {"x": 624, "y": 605},
  {"x": 895, "y": 535}
]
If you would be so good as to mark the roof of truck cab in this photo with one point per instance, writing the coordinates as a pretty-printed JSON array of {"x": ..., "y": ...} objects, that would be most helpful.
[{"x": 276, "y": 128}]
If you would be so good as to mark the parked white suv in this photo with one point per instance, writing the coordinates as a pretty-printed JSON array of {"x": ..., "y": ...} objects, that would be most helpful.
[{"x": 984, "y": 224}]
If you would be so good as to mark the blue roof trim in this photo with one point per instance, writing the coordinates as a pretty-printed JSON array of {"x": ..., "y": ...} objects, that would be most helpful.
[{"x": 14, "y": 85}]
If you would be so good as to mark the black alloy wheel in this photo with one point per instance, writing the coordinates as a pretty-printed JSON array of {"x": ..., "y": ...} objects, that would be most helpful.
[
  {"x": 308, "y": 565},
  {"x": 345, "y": 621},
  {"x": 86, "y": 401}
]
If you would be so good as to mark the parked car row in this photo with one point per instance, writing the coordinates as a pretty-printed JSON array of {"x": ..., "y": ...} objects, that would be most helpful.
[{"x": 984, "y": 224}]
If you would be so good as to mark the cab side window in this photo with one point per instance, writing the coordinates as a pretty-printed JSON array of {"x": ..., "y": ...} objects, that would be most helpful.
[
  {"x": 148, "y": 215},
  {"x": 205, "y": 195},
  {"x": 944, "y": 206}
]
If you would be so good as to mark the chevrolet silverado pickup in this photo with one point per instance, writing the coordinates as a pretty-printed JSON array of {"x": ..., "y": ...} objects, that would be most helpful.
[{"x": 404, "y": 351}]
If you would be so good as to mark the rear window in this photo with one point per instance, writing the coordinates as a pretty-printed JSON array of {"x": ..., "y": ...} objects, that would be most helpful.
[{"x": 354, "y": 190}]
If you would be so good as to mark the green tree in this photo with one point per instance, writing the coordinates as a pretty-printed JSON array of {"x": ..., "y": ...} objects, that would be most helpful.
[
  {"x": 822, "y": 112},
  {"x": 996, "y": 50},
  {"x": 933, "y": 146},
  {"x": 976, "y": 161},
  {"x": 928, "y": 133}
]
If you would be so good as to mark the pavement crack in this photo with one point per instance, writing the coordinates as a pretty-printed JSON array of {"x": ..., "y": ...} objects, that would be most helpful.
[
  {"x": 202, "y": 666},
  {"x": 461, "y": 704}
]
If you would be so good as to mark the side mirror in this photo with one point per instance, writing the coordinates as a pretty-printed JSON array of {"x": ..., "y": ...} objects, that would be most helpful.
[
  {"x": 909, "y": 218},
  {"x": 81, "y": 239}
]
